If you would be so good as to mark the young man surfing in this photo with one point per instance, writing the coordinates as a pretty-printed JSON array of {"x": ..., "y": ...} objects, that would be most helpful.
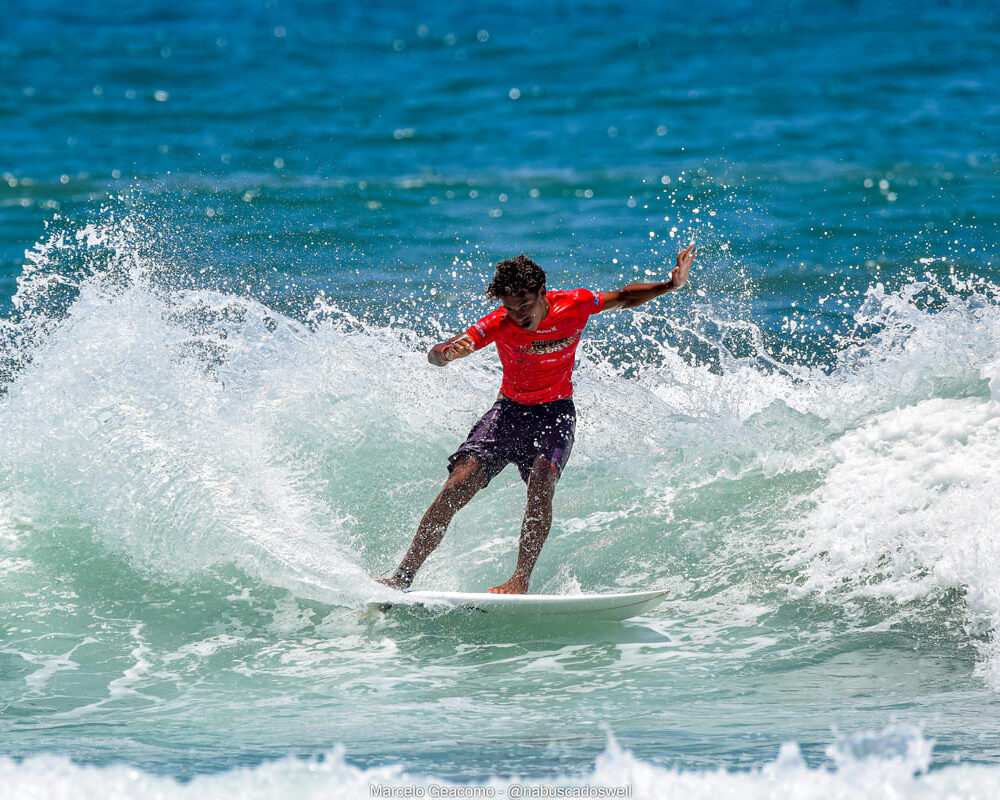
[{"x": 533, "y": 422}]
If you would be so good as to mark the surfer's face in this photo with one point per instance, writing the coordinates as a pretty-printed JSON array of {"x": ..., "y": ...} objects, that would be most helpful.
[{"x": 526, "y": 309}]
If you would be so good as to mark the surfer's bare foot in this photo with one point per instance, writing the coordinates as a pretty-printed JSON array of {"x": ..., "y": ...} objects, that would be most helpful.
[
  {"x": 392, "y": 583},
  {"x": 516, "y": 585}
]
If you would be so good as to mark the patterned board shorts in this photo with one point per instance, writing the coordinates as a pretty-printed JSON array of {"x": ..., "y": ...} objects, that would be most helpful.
[{"x": 514, "y": 433}]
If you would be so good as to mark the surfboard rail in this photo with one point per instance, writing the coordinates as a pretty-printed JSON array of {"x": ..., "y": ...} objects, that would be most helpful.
[{"x": 606, "y": 606}]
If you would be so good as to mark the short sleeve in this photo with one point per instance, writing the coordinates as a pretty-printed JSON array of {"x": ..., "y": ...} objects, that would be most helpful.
[
  {"x": 485, "y": 331},
  {"x": 592, "y": 302}
]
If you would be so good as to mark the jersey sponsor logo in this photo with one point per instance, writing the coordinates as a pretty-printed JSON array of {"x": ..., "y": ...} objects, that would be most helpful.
[{"x": 545, "y": 346}]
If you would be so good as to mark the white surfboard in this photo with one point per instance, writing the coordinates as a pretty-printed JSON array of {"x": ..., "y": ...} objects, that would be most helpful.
[{"x": 552, "y": 607}]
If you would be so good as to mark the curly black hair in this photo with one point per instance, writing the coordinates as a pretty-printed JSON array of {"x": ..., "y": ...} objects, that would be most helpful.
[{"x": 516, "y": 275}]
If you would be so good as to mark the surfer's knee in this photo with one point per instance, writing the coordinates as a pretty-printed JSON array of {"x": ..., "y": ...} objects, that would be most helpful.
[
  {"x": 467, "y": 478},
  {"x": 544, "y": 477}
]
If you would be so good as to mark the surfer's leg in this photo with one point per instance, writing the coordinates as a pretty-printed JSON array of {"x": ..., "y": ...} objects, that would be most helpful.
[
  {"x": 535, "y": 527},
  {"x": 467, "y": 477}
]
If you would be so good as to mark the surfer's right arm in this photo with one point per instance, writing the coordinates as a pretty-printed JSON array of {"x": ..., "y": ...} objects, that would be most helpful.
[
  {"x": 456, "y": 347},
  {"x": 478, "y": 336}
]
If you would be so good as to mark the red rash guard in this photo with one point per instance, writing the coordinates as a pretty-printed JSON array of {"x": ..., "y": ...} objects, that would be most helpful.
[{"x": 538, "y": 364}]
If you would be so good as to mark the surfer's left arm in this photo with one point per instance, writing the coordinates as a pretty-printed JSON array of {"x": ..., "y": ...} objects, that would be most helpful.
[{"x": 635, "y": 294}]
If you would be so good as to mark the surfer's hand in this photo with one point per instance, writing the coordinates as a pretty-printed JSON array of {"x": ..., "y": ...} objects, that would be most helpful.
[
  {"x": 441, "y": 354},
  {"x": 459, "y": 349},
  {"x": 679, "y": 276}
]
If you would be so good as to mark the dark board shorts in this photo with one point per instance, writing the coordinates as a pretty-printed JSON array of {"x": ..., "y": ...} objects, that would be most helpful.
[{"x": 514, "y": 433}]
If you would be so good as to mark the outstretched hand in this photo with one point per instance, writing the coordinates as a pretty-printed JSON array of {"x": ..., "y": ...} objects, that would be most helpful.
[{"x": 679, "y": 275}]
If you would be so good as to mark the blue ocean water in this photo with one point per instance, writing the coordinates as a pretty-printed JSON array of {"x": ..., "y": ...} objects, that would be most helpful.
[{"x": 229, "y": 232}]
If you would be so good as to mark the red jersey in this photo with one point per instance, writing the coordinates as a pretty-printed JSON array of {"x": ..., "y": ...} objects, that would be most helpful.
[{"x": 538, "y": 364}]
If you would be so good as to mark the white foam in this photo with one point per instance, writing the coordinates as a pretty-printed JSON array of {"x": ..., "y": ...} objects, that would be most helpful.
[
  {"x": 154, "y": 419},
  {"x": 909, "y": 508},
  {"x": 893, "y": 763}
]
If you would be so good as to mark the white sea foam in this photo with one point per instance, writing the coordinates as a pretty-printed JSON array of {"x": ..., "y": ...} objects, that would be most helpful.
[
  {"x": 910, "y": 507},
  {"x": 892, "y": 763},
  {"x": 152, "y": 418},
  {"x": 909, "y": 499}
]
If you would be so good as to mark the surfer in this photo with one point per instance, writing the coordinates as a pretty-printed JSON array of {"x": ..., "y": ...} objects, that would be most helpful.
[{"x": 533, "y": 422}]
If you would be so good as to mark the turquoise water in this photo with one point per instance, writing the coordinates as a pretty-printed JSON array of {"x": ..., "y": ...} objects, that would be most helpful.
[{"x": 228, "y": 233}]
